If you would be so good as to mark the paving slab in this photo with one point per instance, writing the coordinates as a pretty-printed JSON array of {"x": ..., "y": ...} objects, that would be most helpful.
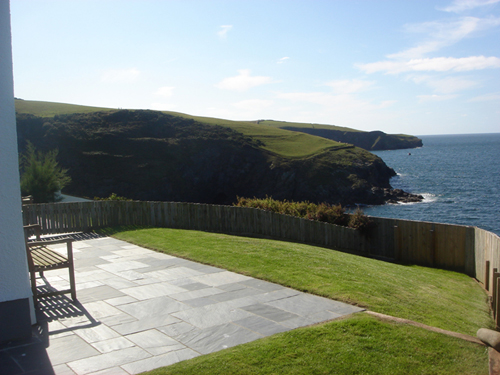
[
  {"x": 138, "y": 310},
  {"x": 216, "y": 338},
  {"x": 69, "y": 348}
]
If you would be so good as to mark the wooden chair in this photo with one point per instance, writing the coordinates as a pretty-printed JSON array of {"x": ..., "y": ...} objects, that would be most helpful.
[{"x": 41, "y": 258}]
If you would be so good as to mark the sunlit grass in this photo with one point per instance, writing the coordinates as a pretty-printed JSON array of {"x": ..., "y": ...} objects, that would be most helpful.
[
  {"x": 435, "y": 297},
  {"x": 358, "y": 345}
]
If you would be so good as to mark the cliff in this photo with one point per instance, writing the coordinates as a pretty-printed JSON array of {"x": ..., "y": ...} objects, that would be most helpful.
[{"x": 149, "y": 155}]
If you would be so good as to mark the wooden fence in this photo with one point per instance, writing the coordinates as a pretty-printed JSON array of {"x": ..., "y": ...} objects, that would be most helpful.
[{"x": 470, "y": 250}]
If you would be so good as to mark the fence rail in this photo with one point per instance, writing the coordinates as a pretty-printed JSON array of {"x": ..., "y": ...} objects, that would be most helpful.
[{"x": 466, "y": 249}]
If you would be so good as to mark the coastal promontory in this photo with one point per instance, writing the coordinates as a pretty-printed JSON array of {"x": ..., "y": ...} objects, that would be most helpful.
[
  {"x": 372, "y": 141},
  {"x": 151, "y": 155}
]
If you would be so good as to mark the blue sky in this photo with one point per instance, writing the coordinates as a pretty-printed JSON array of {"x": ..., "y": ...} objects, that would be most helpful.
[{"x": 416, "y": 67}]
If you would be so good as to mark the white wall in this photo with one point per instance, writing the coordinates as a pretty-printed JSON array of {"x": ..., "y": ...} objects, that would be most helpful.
[{"x": 14, "y": 276}]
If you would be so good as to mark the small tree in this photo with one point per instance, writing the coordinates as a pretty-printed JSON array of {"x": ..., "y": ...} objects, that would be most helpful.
[{"x": 41, "y": 175}]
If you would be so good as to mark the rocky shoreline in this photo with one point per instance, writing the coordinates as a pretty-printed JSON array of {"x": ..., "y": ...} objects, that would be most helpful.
[{"x": 386, "y": 195}]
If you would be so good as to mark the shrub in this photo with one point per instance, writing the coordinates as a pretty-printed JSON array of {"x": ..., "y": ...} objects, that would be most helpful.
[
  {"x": 358, "y": 220},
  {"x": 333, "y": 214},
  {"x": 41, "y": 175},
  {"x": 112, "y": 197}
]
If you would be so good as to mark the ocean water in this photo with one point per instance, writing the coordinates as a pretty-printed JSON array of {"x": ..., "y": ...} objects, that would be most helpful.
[{"x": 458, "y": 175}]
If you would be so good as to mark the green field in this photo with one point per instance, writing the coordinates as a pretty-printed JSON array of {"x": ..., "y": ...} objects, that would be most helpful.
[{"x": 281, "y": 124}]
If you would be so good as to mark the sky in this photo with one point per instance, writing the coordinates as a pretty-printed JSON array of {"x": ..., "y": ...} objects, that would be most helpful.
[{"x": 415, "y": 66}]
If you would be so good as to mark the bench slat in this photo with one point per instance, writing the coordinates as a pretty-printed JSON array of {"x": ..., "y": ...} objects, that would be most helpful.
[{"x": 46, "y": 258}]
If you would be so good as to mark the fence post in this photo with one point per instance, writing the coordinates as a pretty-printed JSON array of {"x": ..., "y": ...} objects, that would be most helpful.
[
  {"x": 497, "y": 306},
  {"x": 433, "y": 247},
  {"x": 494, "y": 294},
  {"x": 397, "y": 240},
  {"x": 487, "y": 275}
]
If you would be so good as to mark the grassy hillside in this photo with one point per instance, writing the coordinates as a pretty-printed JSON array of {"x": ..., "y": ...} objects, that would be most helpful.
[
  {"x": 299, "y": 125},
  {"x": 281, "y": 124},
  {"x": 373, "y": 140},
  {"x": 214, "y": 160},
  {"x": 281, "y": 142},
  {"x": 50, "y": 109}
]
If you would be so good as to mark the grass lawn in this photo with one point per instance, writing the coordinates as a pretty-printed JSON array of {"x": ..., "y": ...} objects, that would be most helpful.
[
  {"x": 438, "y": 298},
  {"x": 358, "y": 345}
]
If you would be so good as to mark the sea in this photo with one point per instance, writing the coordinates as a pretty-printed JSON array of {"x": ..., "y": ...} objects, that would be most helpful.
[{"x": 458, "y": 176}]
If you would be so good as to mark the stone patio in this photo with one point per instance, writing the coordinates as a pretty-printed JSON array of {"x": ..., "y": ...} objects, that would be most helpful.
[{"x": 138, "y": 310}]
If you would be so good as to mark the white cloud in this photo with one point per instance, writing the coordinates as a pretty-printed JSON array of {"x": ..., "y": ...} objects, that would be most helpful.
[
  {"x": 446, "y": 85},
  {"x": 282, "y": 60},
  {"x": 442, "y": 34},
  {"x": 461, "y": 5},
  {"x": 224, "y": 29},
  {"x": 435, "y": 98},
  {"x": 165, "y": 91},
  {"x": 332, "y": 103},
  {"x": 120, "y": 75},
  {"x": 243, "y": 81},
  {"x": 451, "y": 84},
  {"x": 254, "y": 105},
  {"x": 349, "y": 86},
  {"x": 437, "y": 64},
  {"x": 486, "y": 97}
]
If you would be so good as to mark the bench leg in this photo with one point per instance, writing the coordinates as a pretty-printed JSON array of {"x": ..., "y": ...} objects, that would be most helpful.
[
  {"x": 71, "y": 267},
  {"x": 72, "y": 283}
]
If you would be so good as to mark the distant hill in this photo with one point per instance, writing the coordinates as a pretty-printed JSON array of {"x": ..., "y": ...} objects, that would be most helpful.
[
  {"x": 371, "y": 141},
  {"x": 167, "y": 156}
]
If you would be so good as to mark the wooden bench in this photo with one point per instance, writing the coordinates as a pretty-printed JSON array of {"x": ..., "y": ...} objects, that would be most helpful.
[{"x": 41, "y": 258}]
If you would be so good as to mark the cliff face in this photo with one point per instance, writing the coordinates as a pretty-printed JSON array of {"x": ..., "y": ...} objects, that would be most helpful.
[
  {"x": 371, "y": 141},
  {"x": 148, "y": 155}
]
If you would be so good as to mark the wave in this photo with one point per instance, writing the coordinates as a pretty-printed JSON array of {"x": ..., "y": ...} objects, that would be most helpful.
[{"x": 428, "y": 198}]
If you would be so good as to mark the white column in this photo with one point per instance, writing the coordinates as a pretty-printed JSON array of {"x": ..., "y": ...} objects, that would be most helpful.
[{"x": 14, "y": 275}]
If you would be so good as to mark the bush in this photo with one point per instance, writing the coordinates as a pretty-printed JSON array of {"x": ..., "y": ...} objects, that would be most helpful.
[
  {"x": 358, "y": 220},
  {"x": 333, "y": 214},
  {"x": 112, "y": 197},
  {"x": 41, "y": 175}
]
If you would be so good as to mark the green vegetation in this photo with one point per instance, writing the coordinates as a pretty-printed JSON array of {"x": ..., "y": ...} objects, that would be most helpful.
[
  {"x": 41, "y": 175},
  {"x": 151, "y": 155},
  {"x": 374, "y": 140},
  {"x": 435, "y": 297},
  {"x": 283, "y": 124},
  {"x": 333, "y": 214},
  {"x": 358, "y": 345},
  {"x": 281, "y": 142},
  {"x": 112, "y": 197}
]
